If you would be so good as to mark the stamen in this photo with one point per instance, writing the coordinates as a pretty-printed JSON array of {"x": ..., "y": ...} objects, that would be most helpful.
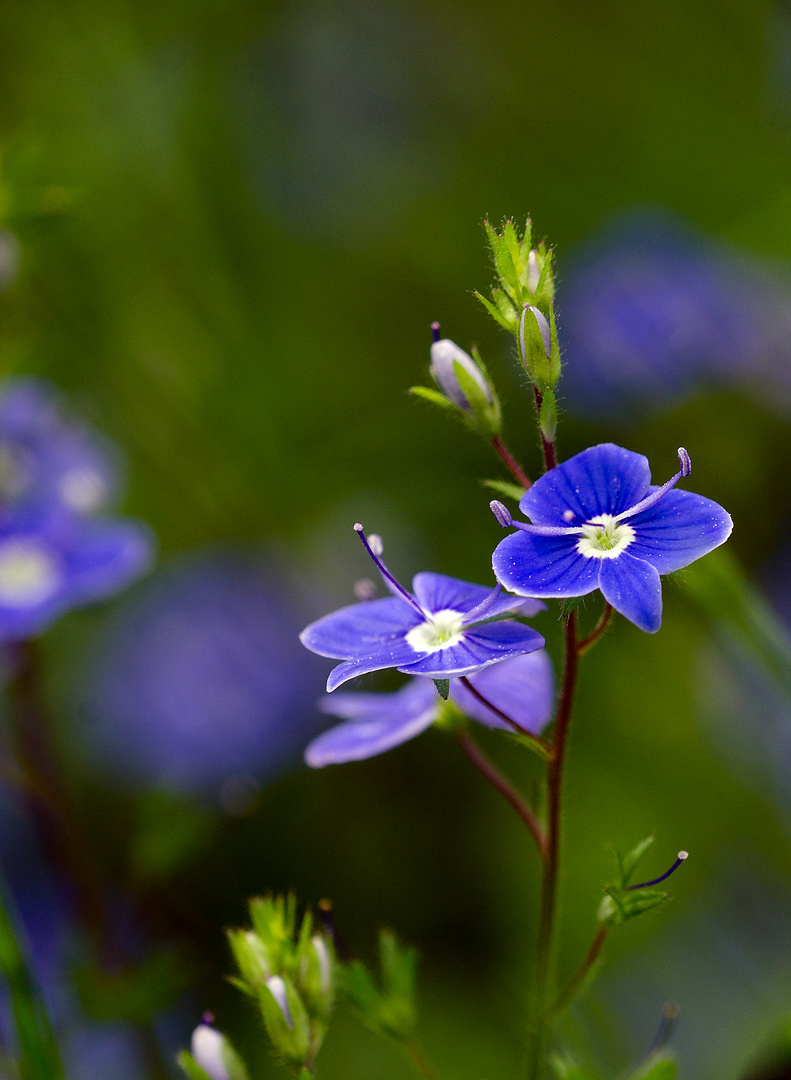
[
  {"x": 682, "y": 855},
  {"x": 502, "y": 513},
  {"x": 477, "y": 613},
  {"x": 371, "y": 547},
  {"x": 364, "y": 589},
  {"x": 655, "y": 496},
  {"x": 435, "y": 332}
]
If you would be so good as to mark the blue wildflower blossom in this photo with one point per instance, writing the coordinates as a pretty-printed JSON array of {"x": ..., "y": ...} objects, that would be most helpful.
[
  {"x": 444, "y": 629},
  {"x": 521, "y": 688},
  {"x": 599, "y": 523},
  {"x": 48, "y": 460},
  {"x": 50, "y": 563}
]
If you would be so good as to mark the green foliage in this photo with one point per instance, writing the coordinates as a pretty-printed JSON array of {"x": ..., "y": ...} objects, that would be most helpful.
[
  {"x": 38, "y": 1053},
  {"x": 524, "y": 274},
  {"x": 189, "y": 1065},
  {"x": 660, "y": 1066},
  {"x": 566, "y": 1068},
  {"x": 505, "y": 488},
  {"x": 620, "y": 903},
  {"x": 170, "y": 833},
  {"x": 388, "y": 1010}
]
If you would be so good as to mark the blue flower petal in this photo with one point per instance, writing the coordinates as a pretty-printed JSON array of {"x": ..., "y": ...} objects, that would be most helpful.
[
  {"x": 523, "y": 688},
  {"x": 487, "y": 644},
  {"x": 360, "y": 629},
  {"x": 377, "y": 723},
  {"x": 680, "y": 528},
  {"x": 544, "y": 565},
  {"x": 381, "y": 655},
  {"x": 105, "y": 558},
  {"x": 438, "y": 592},
  {"x": 605, "y": 479},
  {"x": 633, "y": 588}
]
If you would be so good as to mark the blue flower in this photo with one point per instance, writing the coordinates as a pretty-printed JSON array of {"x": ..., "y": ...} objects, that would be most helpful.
[
  {"x": 47, "y": 460},
  {"x": 522, "y": 688},
  {"x": 445, "y": 629},
  {"x": 599, "y": 523},
  {"x": 197, "y": 681},
  {"x": 50, "y": 563}
]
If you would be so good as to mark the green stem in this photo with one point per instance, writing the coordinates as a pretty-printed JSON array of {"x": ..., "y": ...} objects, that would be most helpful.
[
  {"x": 551, "y": 867},
  {"x": 577, "y": 979}
]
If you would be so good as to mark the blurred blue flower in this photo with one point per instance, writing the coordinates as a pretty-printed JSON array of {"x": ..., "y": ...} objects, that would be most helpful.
[
  {"x": 522, "y": 688},
  {"x": 47, "y": 459},
  {"x": 50, "y": 563},
  {"x": 599, "y": 523},
  {"x": 447, "y": 629},
  {"x": 200, "y": 680},
  {"x": 650, "y": 310}
]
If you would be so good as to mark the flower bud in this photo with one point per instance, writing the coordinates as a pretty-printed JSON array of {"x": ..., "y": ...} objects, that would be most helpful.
[
  {"x": 446, "y": 360},
  {"x": 277, "y": 988},
  {"x": 251, "y": 956},
  {"x": 207, "y": 1050},
  {"x": 538, "y": 347}
]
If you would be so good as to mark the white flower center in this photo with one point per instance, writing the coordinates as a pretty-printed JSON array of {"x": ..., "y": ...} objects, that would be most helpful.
[
  {"x": 28, "y": 573},
  {"x": 603, "y": 537},
  {"x": 83, "y": 489},
  {"x": 443, "y": 629}
]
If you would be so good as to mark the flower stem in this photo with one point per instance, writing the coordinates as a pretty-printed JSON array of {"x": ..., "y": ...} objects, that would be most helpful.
[
  {"x": 418, "y": 1059},
  {"x": 537, "y": 744},
  {"x": 576, "y": 981},
  {"x": 511, "y": 463},
  {"x": 490, "y": 771},
  {"x": 547, "y": 445},
  {"x": 551, "y": 867},
  {"x": 597, "y": 631}
]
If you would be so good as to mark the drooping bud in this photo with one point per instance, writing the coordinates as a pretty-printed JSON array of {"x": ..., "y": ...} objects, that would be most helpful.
[
  {"x": 207, "y": 1051},
  {"x": 449, "y": 365}
]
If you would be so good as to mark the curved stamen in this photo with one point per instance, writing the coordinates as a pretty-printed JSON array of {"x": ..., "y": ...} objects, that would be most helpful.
[
  {"x": 374, "y": 549},
  {"x": 655, "y": 496},
  {"x": 503, "y": 517},
  {"x": 479, "y": 611},
  {"x": 682, "y": 855}
]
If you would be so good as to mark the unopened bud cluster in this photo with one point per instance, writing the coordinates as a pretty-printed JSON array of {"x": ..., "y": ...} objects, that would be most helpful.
[
  {"x": 463, "y": 385},
  {"x": 289, "y": 970}
]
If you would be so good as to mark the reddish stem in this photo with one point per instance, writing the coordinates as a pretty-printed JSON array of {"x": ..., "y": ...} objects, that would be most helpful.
[
  {"x": 511, "y": 463},
  {"x": 490, "y": 771},
  {"x": 597, "y": 631},
  {"x": 577, "y": 979},
  {"x": 547, "y": 446},
  {"x": 540, "y": 745}
]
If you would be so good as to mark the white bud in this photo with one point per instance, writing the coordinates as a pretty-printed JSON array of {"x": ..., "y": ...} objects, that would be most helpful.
[
  {"x": 444, "y": 355},
  {"x": 277, "y": 988},
  {"x": 325, "y": 963},
  {"x": 207, "y": 1044},
  {"x": 533, "y": 271}
]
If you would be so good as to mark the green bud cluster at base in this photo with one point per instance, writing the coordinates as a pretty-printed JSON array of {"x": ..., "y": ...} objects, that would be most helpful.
[{"x": 622, "y": 903}]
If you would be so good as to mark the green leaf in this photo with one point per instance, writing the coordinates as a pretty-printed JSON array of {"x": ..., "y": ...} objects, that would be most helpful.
[
  {"x": 443, "y": 688},
  {"x": 628, "y": 863},
  {"x": 567, "y": 1069},
  {"x": 170, "y": 832},
  {"x": 38, "y": 1052},
  {"x": 659, "y": 1066},
  {"x": 497, "y": 315},
  {"x": 436, "y": 398},
  {"x": 190, "y": 1066},
  {"x": 391, "y": 1010},
  {"x": 235, "y": 1067},
  {"x": 504, "y": 487}
]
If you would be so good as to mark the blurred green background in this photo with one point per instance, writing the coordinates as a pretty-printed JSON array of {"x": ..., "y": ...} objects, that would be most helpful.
[{"x": 236, "y": 223}]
